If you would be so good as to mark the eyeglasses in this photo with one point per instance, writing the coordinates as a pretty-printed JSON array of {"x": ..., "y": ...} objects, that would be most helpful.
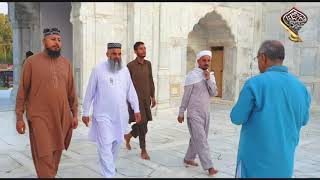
[{"x": 255, "y": 59}]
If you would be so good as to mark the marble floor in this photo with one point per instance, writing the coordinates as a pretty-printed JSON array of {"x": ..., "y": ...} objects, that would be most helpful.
[{"x": 167, "y": 141}]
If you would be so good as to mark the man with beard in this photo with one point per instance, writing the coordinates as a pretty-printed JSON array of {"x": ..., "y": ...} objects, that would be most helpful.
[
  {"x": 141, "y": 74},
  {"x": 47, "y": 90},
  {"x": 109, "y": 89},
  {"x": 198, "y": 89}
]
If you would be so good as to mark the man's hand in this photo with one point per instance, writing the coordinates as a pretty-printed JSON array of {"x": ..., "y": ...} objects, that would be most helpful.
[
  {"x": 180, "y": 119},
  {"x": 86, "y": 120},
  {"x": 153, "y": 102},
  {"x": 74, "y": 122},
  {"x": 21, "y": 127},
  {"x": 137, "y": 117},
  {"x": 206, "y": 74}
]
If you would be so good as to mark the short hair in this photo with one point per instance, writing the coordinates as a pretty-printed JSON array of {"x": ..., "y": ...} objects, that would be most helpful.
[
  {"x": 137, "y": 44},
  {"x": 273, "y": 49},
  {"x": 28, "y": 54}
]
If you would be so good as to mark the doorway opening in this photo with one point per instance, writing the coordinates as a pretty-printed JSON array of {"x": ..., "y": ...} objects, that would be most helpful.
[{"x": 217, "y": 64}]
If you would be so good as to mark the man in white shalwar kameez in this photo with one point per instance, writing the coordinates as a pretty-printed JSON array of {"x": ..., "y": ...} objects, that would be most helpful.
[
  {"x": 109, "y": 89},
  {"x": 200, "y": 85}
]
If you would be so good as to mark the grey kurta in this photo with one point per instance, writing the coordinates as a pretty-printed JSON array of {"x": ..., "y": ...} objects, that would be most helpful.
[{"x": 196, "y": 99}]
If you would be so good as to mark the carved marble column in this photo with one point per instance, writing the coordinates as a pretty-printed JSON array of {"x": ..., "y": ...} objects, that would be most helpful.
[
  {"x": 82, "y": 19},
  {"x": 24, "y": 19},
  {"x": 163, "y": 64}
]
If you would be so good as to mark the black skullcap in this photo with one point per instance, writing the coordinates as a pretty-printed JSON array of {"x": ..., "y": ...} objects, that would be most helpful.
[
  {"x": 29, "y": 53},
  {"x": 50, "y": 31}
]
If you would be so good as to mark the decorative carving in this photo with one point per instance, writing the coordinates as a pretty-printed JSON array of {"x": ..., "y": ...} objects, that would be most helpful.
[{"x": 175, "y": 90}]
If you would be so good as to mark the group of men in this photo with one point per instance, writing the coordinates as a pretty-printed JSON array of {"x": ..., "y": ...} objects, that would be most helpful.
[
  {"x": 119, "y": 95},
  {"x": 271, "y": 107}
]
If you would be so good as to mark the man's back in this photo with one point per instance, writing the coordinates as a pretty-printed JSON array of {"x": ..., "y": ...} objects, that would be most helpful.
[{"x": 280, "y": 106}]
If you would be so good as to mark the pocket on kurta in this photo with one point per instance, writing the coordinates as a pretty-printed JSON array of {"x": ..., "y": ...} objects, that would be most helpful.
[
  {"x": 67, "y": 128},
  {"x": 111, "y": 81},
  {"x": 104, "y": 132},
  {"x": 41, "y": 137},
  {"x": 36, "y": 90}
]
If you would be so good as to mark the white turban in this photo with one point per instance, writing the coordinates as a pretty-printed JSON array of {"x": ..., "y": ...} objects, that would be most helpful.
[
  {"x": 204, "y": 53},
  {"x": 196, "y": 75}
]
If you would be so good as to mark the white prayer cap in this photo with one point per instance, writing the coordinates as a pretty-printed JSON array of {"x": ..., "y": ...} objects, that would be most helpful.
[{"x": 204, "y": 53}]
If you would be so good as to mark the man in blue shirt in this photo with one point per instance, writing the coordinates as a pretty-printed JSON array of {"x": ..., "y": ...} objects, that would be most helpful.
[{"x": 272, "y": 107}]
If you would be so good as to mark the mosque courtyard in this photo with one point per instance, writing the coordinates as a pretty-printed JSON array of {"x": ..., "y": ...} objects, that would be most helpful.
[{"x": 167, "y": 142}]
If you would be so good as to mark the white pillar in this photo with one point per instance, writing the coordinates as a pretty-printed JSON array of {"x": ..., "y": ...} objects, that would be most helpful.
[
  {"x": 8, "y": 128},
  {"x": 163, "y": 65},
  {"x": 84, "y": 46},
  {"x": 17, "y": 42},
  {"x": 25, "y": 38}
]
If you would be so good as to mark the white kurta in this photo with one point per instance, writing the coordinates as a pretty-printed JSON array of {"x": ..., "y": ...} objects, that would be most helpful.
[{"x": 109, "y": 93}]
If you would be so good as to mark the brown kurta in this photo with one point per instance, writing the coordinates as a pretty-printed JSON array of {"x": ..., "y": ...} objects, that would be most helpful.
[
  {"x": 47, "y": 89},
  {"x": 141, "y": 75},
  {"x": 46, "y": 166}
]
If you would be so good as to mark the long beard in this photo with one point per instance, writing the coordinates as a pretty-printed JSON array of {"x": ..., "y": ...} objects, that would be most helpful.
[
  {"x": 53, "y": 54},
  {"x": 115, "y": 66}
]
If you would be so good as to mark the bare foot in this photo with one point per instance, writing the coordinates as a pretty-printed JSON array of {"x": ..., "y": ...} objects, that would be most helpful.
[
  {"x": 212, "y": 171},
  {"x": 190, "y": 162},
  {"x": 127, "y": 137},
  {"x": 144, "y": 155}
]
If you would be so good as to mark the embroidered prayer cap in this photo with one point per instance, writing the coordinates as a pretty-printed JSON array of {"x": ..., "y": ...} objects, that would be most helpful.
[
  {"x": 204, "y": 53},
  {"x": 114, "y": 45},
  {"x": 50, "y": 31}
]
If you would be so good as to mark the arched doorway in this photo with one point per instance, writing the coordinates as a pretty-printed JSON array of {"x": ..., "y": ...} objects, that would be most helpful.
[{"x": 213, "y": 33}]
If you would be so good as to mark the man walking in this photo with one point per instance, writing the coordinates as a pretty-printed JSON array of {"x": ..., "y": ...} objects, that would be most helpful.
[
  {"x": 47, "y": 90},
  {"x": 198, "y": 89},
  {"x": 141, "y": 74},
  {"x": 109, "y": 89}
]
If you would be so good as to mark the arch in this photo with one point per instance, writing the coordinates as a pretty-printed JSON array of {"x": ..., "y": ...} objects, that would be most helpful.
[
  {"x": 212, "y": 30},
  {"x": 226, "y": 14}
]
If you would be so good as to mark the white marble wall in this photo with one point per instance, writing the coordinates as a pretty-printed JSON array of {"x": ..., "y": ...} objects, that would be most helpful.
[
  {"x": 50, "y": 18},
  {"x": 303, "y": 59},
  {"x": 170, "y": 33},
  {"x": 225, "y": 26},
  {"x": 24, "y": 20},
  {"x": 143, "y": 25},
  {"x": 28, "y": 21},
  {"x": 95, "y": 25}
]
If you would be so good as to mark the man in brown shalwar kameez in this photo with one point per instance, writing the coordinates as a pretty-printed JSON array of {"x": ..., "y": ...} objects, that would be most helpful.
[
  {"x": 47, "y": 90},
  {"x": 141, "y": 75}
]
